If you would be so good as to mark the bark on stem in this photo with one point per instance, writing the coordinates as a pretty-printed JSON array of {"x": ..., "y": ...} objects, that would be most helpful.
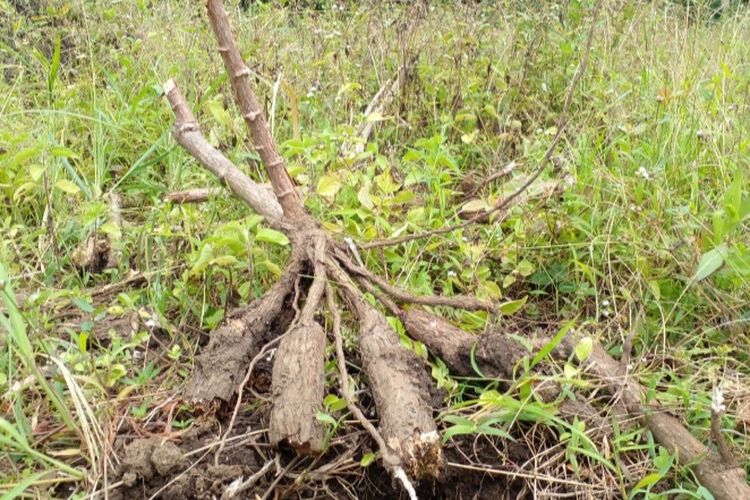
[
  {"x": 260, "y": 132},
  {"x": 188, "y": 135}
]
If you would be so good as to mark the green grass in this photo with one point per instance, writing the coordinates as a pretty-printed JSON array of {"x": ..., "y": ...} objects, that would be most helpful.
[{"x": 654, "y": 225}]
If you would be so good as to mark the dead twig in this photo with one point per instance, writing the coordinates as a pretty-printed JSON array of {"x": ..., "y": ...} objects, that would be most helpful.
[
  {"x": 198, "y": 195},
  {"x": 233, "y": 491},
  {"x": 503, "y": 172},
  {"x": 375, "y": 109}
]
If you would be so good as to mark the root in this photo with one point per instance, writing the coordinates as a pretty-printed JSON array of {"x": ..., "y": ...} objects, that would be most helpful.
[
  {"x": 399, "y": 385},
  {"x": 724, "y": 480},
  {"x": 466, "y": 302},
  {"x": 298, "y": 385},
  {"x": 222, "y": 363},
  {"x": 391, "y": 460}
]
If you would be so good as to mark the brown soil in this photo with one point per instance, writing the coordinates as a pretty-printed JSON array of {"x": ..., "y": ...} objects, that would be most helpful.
[{"x": 151, "y": 467}]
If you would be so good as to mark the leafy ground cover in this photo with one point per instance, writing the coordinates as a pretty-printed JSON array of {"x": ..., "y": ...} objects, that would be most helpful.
[{"x": 644, "y": 240}]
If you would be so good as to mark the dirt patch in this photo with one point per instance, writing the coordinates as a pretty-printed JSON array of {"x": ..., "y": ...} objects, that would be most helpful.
[
  {"x": 153, "y": 467},
  {"x": 187, "y": 470}
]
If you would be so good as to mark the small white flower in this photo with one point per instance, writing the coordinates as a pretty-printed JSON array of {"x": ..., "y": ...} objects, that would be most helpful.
[
  {"x": 605, "y": 313},
  {"x": 152, "y": 323},
  {"x": 717, "y": 400},
  {"x": 605, "y": 303},
  {"x": 451, "y": 274},
  {"x": 644, "y": 173}
]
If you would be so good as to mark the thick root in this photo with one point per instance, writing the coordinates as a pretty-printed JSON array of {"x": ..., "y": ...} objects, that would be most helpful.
[
  {"x": 496, "y": 355},
  {"x": 221, "y": 365},
  {"x": 724, "y": 480},
  {"x": 400, "y": 387},
  {"x": 298, "y": 389},
  {"x": 298, "y": 383}
]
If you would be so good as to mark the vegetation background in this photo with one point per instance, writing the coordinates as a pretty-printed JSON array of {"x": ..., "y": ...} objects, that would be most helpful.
[{"x": 648, "y": 234}]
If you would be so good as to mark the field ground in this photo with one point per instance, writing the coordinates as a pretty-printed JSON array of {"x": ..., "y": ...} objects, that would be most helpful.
[{"x": 642, "y": 237}]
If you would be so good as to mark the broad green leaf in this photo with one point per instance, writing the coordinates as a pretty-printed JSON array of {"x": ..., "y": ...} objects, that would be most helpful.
[
  {"x": 36, "y": 171},
  {"x": 82, "y": 341},
  {"x": 475, "y": 206},
  {"x": 647, "y": 481},
  {"x": 733, "y": 196},
  {"x": 363, "y": 195},
  {"x": 21, "y": 190},
  {"x": 458, "y": 430},
  {"x": 54, "y": 66},
  {"x": 494, "y": 431},
  {"x": 469, "y": 138},
  {"x": 334, "y": 403},
  {"x": 326, "y": 419},
  {"x": 349, "y": 87},
  {"x": 367, "y": 459},
  {"x": 710, "y": 262},
  {"x": 704, "y": 493},
  {"x": 111, "y": 229},
  {"x": 62, "y": 152},
  {"x": 328, "y": 186},
  {"x": 67, "y": 186},
  {"x": 204, "y": 257},
  {"x": 385, "y": 182},
  {"x": 584, "y": 348},
  {"x": 221, "y": 115},
  {"x": 271, "y": 236},
  {"x": 544, "y": 351},
  {"x": 224, "y": 261},
  {"x": 82, "y": 304},
  {"x": 512, "y": 306}
]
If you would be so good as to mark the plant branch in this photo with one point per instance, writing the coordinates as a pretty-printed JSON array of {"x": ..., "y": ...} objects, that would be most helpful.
[
  {"x": 260, "y": 132},
  {"x": 188, "y": 135},
  {"x": 466, "y": 302}
]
